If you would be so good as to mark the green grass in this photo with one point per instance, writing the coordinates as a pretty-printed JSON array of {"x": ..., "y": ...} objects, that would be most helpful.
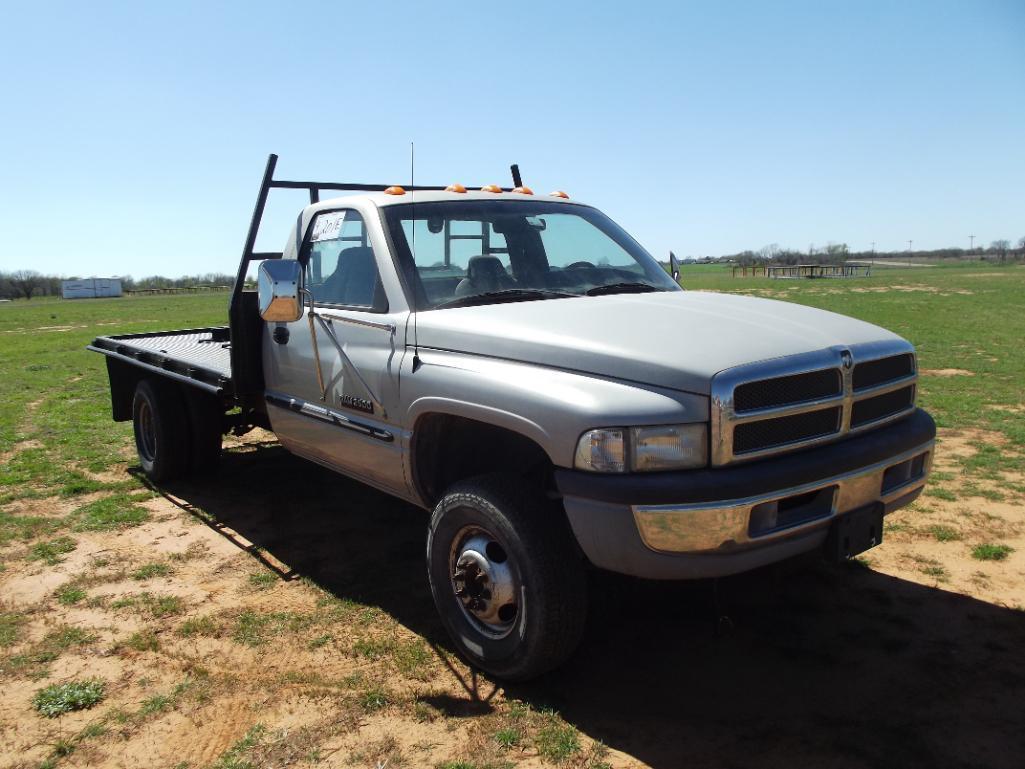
[
  {"x": 509, "y": 737},
  {"x": 157, "y": 606},
  {"x": 11, "y": 623},
  {"x": 990, "y": 552},
  {"x": 235, "y": 756},
  {"x": 151, "y": 570},
  {"x": 937, "y": 572},
  {"x": 556, "y": 741},
  {"x": 58, "y": 699},
  {"x": 263, "y": 579},
  {"x": 69, "y": 595},
  {"x": 198, "y": 626},
  {"x": 143, "y": 641},
  {"x": 55, "y": 427},
  {"x": 374, "y": 698},
  {"x": 944, "y": 533},
  {"x": 158, "y": 703},
  {"x": 940, "y": 493},
  {"x": 115, "y": 512},
  {"x": 51, "y": 551},
  {"x": 35, "y": 661}
]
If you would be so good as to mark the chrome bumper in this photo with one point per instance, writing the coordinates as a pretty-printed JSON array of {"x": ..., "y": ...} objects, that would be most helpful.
[{"x": 729, "y": 525}]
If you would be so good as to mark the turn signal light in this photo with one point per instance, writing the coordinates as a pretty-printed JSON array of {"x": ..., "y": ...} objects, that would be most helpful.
[
  {"x": 490, "y": 188},
  {"x": 395, "y": 190},
  {"x": 558, "y": 194},
  {"x": 457, "y": 187},
  {"x": 523, "y": 190}
]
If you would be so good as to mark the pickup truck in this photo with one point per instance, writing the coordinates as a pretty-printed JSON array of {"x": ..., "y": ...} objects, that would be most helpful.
[{"x": 522, "y": 367}]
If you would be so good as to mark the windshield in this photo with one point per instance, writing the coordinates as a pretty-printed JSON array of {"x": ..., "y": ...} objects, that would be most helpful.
[{"x": 478, "y": 251}]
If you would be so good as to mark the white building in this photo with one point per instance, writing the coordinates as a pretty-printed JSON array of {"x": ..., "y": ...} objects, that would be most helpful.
[{"x": 90, "y": 288}]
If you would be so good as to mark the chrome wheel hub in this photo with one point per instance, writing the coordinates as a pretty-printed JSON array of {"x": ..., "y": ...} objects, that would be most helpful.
[{"x": 484, "y": 582}]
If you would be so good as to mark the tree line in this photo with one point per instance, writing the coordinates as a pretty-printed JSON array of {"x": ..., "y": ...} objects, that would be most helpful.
[
  {"x": 999, "y": 251},
  {"x": 29, "y": 283}
]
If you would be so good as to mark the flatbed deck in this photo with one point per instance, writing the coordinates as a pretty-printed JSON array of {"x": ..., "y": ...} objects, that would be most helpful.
[{"x": 201, "y": 357}]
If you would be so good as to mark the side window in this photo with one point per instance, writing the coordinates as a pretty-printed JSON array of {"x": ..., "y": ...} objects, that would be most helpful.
[{"x": 340, "y": 264}]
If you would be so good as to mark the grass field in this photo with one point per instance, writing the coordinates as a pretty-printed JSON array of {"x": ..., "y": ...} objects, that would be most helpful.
[{"x": 277, "y": 614}]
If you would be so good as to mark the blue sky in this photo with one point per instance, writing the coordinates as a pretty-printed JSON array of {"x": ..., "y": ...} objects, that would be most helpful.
[{"x": 134, "y": 135}]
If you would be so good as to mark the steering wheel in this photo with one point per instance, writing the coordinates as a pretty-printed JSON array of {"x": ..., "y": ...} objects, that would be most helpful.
[{"x": 580, "y": 266}]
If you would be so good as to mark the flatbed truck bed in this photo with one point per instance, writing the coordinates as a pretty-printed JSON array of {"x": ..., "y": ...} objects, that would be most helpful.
[{"x": 200, "y": 357}]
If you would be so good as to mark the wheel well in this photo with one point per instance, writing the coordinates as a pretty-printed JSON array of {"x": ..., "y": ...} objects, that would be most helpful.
[{"x": 449, "y": 448}]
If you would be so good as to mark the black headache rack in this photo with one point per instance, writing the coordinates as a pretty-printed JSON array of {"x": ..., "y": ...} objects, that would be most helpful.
[{"x": 243, "y": 319}]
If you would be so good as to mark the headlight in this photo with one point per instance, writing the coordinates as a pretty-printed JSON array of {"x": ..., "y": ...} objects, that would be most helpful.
[
  {"x": 643, "y": 449},
  {"x": 602, "y": 451}
]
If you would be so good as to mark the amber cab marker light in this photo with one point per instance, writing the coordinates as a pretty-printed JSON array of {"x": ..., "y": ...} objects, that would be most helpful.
[
  {"x": 523, "y": 190},
  {"x": 490, "y": 188},
  {"x": 395, "y": 190},
  {"x": 558, "y": 194},
  {"x": 457, "y": 187}
]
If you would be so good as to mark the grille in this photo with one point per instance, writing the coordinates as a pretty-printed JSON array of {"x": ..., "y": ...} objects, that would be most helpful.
[
  {"x": 877, "y": 372},
  {"x": 785, "y": 390},
  {"x": 871, "y": 409},
  {"x": 753, "y": 436}
]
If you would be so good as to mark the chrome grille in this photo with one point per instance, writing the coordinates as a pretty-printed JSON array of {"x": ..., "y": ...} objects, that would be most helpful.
[
  {"x": 784, "y": 390},
  {"x": 882, "y": 406},
  {"x": 752, "y": 436},
  {"x": 780, "y": 405},
  {"x": 882, "y": 371}
]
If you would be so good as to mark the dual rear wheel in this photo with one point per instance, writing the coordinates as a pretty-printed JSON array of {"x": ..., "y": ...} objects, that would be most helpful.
[{"x": 177, "y": 431}]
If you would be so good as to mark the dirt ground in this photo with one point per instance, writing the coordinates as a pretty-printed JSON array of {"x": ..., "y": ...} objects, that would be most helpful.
[{"x": 288, "y": 577}]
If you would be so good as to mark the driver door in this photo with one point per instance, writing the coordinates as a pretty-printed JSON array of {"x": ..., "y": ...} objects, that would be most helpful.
[{"x": 345, "y": 416}]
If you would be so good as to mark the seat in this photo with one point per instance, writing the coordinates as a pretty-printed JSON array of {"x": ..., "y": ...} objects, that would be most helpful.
[
  {"x": 354, "y": 280},
  {"x": 483, "y": 274}
]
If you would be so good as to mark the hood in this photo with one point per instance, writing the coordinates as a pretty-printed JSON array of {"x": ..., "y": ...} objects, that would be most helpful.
[{"x": 674, "y": 339}]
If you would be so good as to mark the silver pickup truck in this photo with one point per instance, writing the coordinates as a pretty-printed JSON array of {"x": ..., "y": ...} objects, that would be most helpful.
[{"x": 520, "y": 365}]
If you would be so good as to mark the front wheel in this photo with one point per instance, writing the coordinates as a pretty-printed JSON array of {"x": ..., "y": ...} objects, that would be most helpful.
[{"x": 506, "y": 578}]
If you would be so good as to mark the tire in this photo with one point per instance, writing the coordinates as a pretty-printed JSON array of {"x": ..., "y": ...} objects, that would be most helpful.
[
  {"x": 161, "y": 430},
  {"x": 206, "y": 427},
  {"x": 526, "y": 615}
]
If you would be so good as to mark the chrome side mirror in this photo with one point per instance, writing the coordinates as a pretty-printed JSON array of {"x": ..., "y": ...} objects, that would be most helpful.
[{"x": 278, "y": 287}]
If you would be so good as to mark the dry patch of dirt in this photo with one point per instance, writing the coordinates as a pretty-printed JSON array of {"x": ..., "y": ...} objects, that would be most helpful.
[
  {"x": 945, "y": 372},
  {"x": 912, "y": 288},
  {"x": 1015, "y": 409},
  {"x": 932, "y": 542}
]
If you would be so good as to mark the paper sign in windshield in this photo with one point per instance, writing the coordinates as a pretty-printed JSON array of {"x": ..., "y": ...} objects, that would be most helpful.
[{"x": 328, "y": 226}]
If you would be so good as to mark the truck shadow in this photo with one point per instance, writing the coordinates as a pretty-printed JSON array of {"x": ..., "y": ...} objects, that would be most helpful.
[{"x": 823, "y": 666}]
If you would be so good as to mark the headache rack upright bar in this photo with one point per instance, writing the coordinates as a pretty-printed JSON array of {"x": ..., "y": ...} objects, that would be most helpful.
[{"x": 247, "y": 376}]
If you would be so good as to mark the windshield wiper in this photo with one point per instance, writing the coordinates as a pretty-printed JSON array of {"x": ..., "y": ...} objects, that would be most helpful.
[
  {"x": 622, "y": 288},
  {"x": 507, "y": 295}
]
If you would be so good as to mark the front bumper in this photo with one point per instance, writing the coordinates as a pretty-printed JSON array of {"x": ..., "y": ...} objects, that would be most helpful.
[{"x": 723, "y": 521}]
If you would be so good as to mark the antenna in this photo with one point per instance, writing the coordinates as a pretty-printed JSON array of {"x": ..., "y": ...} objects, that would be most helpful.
[
  {"x": 517, "y": 181},
  {"x": 412, "y": 198}
]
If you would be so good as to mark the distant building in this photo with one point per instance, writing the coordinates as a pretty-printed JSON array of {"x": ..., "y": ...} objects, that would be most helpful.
[{"x": 90, "y": 288}]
